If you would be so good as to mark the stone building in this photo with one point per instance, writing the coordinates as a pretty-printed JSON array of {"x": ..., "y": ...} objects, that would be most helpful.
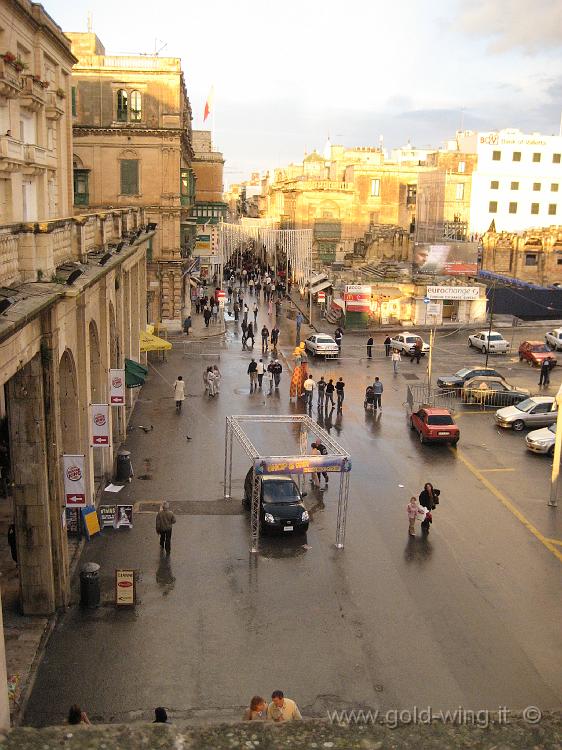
[
  {"x": 133, "y": 146},
  {"x": 534, "y": 255}
]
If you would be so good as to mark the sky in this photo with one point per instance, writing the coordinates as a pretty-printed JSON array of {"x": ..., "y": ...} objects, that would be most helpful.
[{"x": 288, "y": 75}]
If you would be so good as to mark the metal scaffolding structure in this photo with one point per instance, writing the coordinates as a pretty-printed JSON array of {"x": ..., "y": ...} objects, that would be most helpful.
[{"x": 337, "y": 460}]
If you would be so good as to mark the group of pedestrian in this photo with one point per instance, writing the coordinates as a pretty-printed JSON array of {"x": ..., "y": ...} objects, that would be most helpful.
[
  {"x": 279, "y": 710},
  {"x": 212, "y": 380},
  {"x": 325, "y": 391},
  {"x": 257, "y": 371},
  {"x": 421, "y": 508}
]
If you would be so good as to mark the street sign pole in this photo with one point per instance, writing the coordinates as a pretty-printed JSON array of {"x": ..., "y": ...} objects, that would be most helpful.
[
  {"x": 553, "y": 501},
  {"x": 430, "y": 362}
]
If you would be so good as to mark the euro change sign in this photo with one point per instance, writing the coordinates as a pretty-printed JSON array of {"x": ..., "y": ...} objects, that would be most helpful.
[
  {"x": 100, "y": 425},
  {"x": 117, "y": 387},
  {"x": 124, "y": 587},
  {"x": 74, "y": 484}
]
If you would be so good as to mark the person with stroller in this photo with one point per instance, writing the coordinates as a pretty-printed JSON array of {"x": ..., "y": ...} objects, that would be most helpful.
[{"x": 369, "y": 397}]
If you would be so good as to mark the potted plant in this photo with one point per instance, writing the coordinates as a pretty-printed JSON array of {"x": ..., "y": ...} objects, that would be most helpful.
[
  {"x": 61, "y": 93},
  {"x": 9, "y": 57},
  {"x": 44, "y": 84},
  {"x": 19, "y": 65}
]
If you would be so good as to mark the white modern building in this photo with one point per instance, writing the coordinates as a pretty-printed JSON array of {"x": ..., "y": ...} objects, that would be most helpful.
[{"x": 517, "y": 181}]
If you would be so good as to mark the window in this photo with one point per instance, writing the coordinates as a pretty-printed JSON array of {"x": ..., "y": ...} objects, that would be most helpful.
[
  {"x": 375, "y": 188},
  {"x": 462, "y": 166},
  {"x": 552, "y": 209},
  {"x": 536, "y": 186},
  {"x": 136, "y": 106},
  {"x": 536, "y": 157},
  {"x": 494, "y": 184},
  {"x": 534, "y": 208},
  {"x": 556, "y": 158},
  {"x": 73, "y": 94},
  {"x": 559, "y": 261},
  {"x": 460, "y": 191},
  {"x": 513, "y": 208},
  {"x": 496, "y": 155},
  {"x": 553, "y": 187},
  {"x": 129, "y": 176},
  {"x": 493, "y": 207},
  {"x": 515, "y": 186},
  {"x": 122, "y": 105},
  {"x": 517, "y": 156},
  {"x": 530, "y": 259}
]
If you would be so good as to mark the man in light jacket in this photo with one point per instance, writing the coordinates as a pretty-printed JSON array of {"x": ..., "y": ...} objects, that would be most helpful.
[{"x": 165, "y": 519}]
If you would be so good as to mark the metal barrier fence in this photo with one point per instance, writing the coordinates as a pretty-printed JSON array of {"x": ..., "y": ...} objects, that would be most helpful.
[
  {"x": 481, "y": 399},
  {"x": 206, "y": 349}
]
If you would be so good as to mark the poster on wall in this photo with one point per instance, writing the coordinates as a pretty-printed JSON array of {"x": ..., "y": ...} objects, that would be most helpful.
[
  {"x": 74, "y": 483},
  {"x": 357, "y": 297},
  {"x": 100, "y": 425},
  {"x": 117, "y": 387},
  {"x": 124, "y": 517}
]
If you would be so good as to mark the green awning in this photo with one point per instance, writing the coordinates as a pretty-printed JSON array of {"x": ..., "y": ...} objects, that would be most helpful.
[{"x": 135, "y": 374}]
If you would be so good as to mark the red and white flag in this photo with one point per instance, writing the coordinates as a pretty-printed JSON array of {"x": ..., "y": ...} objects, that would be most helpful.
[{"x": 209, "y": 103}]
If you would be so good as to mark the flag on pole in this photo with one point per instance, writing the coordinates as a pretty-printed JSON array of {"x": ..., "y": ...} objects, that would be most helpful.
[{"x": 209, "y": 103}]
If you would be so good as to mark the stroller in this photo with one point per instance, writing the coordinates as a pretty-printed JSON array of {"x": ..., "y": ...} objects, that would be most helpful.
[{"x": 369, "y": 397}]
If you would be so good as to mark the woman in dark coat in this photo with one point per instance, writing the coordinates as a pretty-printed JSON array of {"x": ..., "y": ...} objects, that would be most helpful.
[{"x": 429, "y": 498}]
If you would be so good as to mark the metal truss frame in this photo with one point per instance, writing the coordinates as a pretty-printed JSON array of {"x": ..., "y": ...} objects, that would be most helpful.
[{"x": 308, "y": 427}]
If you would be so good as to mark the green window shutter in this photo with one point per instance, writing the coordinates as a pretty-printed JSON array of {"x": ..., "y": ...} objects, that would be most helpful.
[
  {"x": 129, "y": 177},
  {"x": 73, "y": 91}
]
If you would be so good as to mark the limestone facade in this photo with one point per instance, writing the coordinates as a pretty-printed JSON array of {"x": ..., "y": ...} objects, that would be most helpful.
[
  {"x": 133, "y": 146},
  {"x": 534, "y": 255}
]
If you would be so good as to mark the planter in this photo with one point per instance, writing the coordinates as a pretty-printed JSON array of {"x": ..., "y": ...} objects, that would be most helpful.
[
  {"x": 61, "y": 93},
  {"x": 9, "y": 57}
]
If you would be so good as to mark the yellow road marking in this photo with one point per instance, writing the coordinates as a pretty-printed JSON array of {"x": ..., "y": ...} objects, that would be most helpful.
[
  {"x": 555, "y": 541},
  {"x": 548, "y": 543},
  {"x": 503, "y": 469}
]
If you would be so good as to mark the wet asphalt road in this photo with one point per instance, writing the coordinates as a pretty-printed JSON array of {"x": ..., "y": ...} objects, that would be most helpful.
[{"x": 469, "y": 616}]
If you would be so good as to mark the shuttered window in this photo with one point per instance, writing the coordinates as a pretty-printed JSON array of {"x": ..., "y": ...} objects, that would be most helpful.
[{"x": 129, "y": 176}]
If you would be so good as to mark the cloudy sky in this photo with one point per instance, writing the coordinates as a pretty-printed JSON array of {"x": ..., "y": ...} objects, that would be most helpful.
[{"x": 288, "y": 74}]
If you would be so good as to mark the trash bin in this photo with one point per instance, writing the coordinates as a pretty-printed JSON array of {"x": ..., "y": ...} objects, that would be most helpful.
[
  {"x": 124, "y": 469},
  {"x": 90, "y": 585}
]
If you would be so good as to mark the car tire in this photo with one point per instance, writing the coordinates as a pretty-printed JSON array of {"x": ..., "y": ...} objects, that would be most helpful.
[
  {"x": 551, "y": 451},
  {"x": 422, "y": 439},
  {"x": 454, "y": 443},
  {"x": 518, "y": 425}
]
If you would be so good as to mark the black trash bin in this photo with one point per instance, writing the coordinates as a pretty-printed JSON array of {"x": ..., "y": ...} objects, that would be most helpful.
[
  {"x": 124, "y": 468},
  {"x": 90, "y": 585}
]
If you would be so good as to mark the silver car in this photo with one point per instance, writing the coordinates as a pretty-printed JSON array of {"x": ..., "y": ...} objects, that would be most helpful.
[
  {"x": 489, "y": 341},
  {"x": 542, "y": 441},
  {"x": 538, "y": 411},
  {"x": 322, "y": 345}
]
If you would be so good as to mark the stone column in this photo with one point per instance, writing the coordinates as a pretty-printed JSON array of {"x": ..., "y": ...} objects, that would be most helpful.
[{"x": 28, "y": 450}]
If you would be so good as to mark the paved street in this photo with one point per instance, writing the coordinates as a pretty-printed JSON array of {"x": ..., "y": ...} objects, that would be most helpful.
[{"x": 469, "y": 616}]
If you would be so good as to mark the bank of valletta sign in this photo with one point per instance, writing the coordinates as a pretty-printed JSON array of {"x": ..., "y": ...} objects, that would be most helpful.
[{"x": 453, "y": 292}]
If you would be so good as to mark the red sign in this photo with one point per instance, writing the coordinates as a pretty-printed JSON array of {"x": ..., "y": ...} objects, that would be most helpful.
[
  {"x": 321, "y": 296},
  {"x": 357, "y": 298}
]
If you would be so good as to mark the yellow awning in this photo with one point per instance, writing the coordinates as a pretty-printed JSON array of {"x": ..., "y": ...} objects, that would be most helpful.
[{"x": 151, "y": 343}]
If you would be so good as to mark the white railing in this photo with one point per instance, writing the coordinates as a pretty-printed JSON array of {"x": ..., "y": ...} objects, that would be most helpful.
[{"x": 8, "y": 258}]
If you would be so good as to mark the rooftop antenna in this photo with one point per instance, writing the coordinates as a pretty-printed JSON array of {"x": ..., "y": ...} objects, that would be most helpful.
[
  {"x": 90, "y": 24},
  {"x": 158, "y": 50}
]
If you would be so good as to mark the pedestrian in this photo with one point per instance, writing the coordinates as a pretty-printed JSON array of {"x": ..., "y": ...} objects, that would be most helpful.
[
  {"x": 323, "y": 451},
  {"x": 187, "y": 325},
  {"x": 179, "y": 393},
  {"x": 340, "y": 385},
  {"x": 253, "y": 373},
  {"x": 330, "y": 388},
  {"x": 321, "y": 388},
  {"x": 274, "y": 337},
  {"x": 544, "y": 378},
  {"x": 206, "y": 380},
  {"x": 277, "y": 369},
  {"x": 77, "y": 716},
  {"x": 258, "y": 289},
  {"x": 269, "y": 376},
  {"x": 229, "y": 292},
  {"x": 308, "y": 387},
  {"x": 260, "y": 371},
  {"x": 395, "y": 357},
  {"x": 428, "y": 498},
  {"x": 218, "y": 378},
  {"x": 270, "y": 307},
  {"x": 387, "y": 343},
  {"x": 215, "y": 312},
  {"x": 255, "y": 310},
  {"x": 416, "y": 351},
  {"x": 250, "y": 334},
  {"x": 264, "y": 339},
  {"x": 244, "y": 327},
  {"x": 211, "y": 381},
  {"x": 165, "y": 519},
  {"x": 251, "y": 286},
  {"x": 299, "y": 321},
  {"x": 370, "y": 343},
  {"x": 338, "y": 337},
  {"x": 207, "y": 316},
  {"x": 257, "y": 710},
  {"x": 12, "y": 542},
  {"x": 160, "y": 716},
  {"x": 236, "y": 309},
  {"x": 282, "y": 709},
  {"x": 378, "y": 389},
  {"x": 413, "y": 509}
]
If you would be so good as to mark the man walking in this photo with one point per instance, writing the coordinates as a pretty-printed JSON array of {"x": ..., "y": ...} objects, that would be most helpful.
[
  {"x": 416, "y": 351},
  {"x": 321, "y": 387},
  {"x": 395, "y": 357},
  {"x": 330, "y": 388},
  {"x": 338, "y": 337},
  {"x": 255, "y": 309},
  {"x": 378, "y": 389},
  {"x": 370, "y": 343},
  {"x": 165, "y": 519},
  {"x": 179, "y": 393},
  {"x": 299, "y": 321},
  {"x": 308, "y": 386},
  {"x": 207, "y": 316},
  {"x": 544, "y": 378},
  {"x": 244, "y": 333},
  {"x": 387, "y": 346},
  {"x": 260, "y": 370},
  {"x": 321, "y": 448},
  {"x": 253, "y": 373},
  {"x": 340, "y": 385},
  {"x": 274, "y": 336},
  {"x": 264, "y": 339},
  {"x": 277, "y": 369}
]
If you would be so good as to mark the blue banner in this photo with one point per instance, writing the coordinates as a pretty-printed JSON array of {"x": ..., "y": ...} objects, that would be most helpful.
[{"x": 301, "y": 464}]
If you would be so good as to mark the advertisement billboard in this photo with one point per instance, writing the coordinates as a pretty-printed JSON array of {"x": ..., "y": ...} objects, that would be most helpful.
[{"x": 446, "y": 259}]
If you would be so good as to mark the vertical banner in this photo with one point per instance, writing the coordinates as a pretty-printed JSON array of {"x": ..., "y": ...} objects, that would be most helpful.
[
  {"x": 100, "y": 425},
  {"x": 117, "y": 387},
  {"x": 74, "y": 484}
]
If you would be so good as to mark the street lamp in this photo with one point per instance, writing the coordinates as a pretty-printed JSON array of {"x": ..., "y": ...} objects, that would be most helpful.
[
  {"x": 492, "y": 301},
  {"x": 553, "y": 501}
]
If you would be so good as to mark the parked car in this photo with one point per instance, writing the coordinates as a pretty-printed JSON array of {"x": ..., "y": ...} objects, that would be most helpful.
[
  {"x": 554, "y": 339},
  {"x": 489, "y": 341},
  {"x": 435, "y": 425},
  {"x": 542, "y": 441},
  {"x": 281, "y": 506},
  {"x": 321, "y": 344},
  {"x": 492, "y": 392},
  {"x": 457, "y": 381},
  {"x": 537, "y": 411},
  {"x": 535, "y": 352},
  {"x": 406, "y": 342}
]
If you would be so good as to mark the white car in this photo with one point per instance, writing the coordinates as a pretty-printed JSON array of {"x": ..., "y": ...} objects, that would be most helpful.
[
  {"x": 321, "y": 345},
  {"x": 406, "y": 342},
  {"x": 489, "y": 341},
  {"x": 542, "y": 441},
  {"x": 554, "y": 339}
]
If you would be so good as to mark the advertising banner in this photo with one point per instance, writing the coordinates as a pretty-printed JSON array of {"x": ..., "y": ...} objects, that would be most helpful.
[
  {"x": 108, "y": 515},
  {"x": 117, "y": 387},
  {"x": 301, "y": 465},
  {"x": 453, "y": 292},
  {"x": 357, "y": 297},
  {"x": 446, "y": 259},
  {"x": 124, "y": 517},
  {"x": 124, "y": 587},
  {"x": 100, "y": 425},
  {"x": 74, "y": 483}
]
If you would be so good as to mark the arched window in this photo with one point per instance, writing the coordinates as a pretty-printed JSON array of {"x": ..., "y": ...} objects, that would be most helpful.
[
  {"x": 136, "y": 106},
  {"x": 122, "y": 102}
]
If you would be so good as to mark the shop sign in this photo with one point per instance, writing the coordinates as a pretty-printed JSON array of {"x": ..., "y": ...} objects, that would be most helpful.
[
  {"x": 321, "y": 296},
  {"x": 100, "y": 425},
  {"x": 453, "y": 292},
  {"x": 124, "y": 587},
  {"x": 74, "y": 483},
  {"x": 357, "y": 297},
  {"x": 117, "y": 387}
]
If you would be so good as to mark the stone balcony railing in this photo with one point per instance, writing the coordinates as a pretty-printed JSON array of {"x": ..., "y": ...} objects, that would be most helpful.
[
  {"x": 33, "y": 95},
  {"x": 10, "y": 81},
  {"x": 54, "y": 108},
  {"x": 33, "y": 251},
  {"x": 11, "y": 154},
  {"x": 35, "y": 158}
]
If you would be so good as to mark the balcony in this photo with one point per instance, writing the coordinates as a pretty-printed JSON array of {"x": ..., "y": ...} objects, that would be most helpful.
[
  {"x": 35, "y": 158},
  {"x": 33, "y": 94},
  {"x": 11, "y": 154},
  {"x": 11, "y": 82},
  {"x": 54, "y": 106}
]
